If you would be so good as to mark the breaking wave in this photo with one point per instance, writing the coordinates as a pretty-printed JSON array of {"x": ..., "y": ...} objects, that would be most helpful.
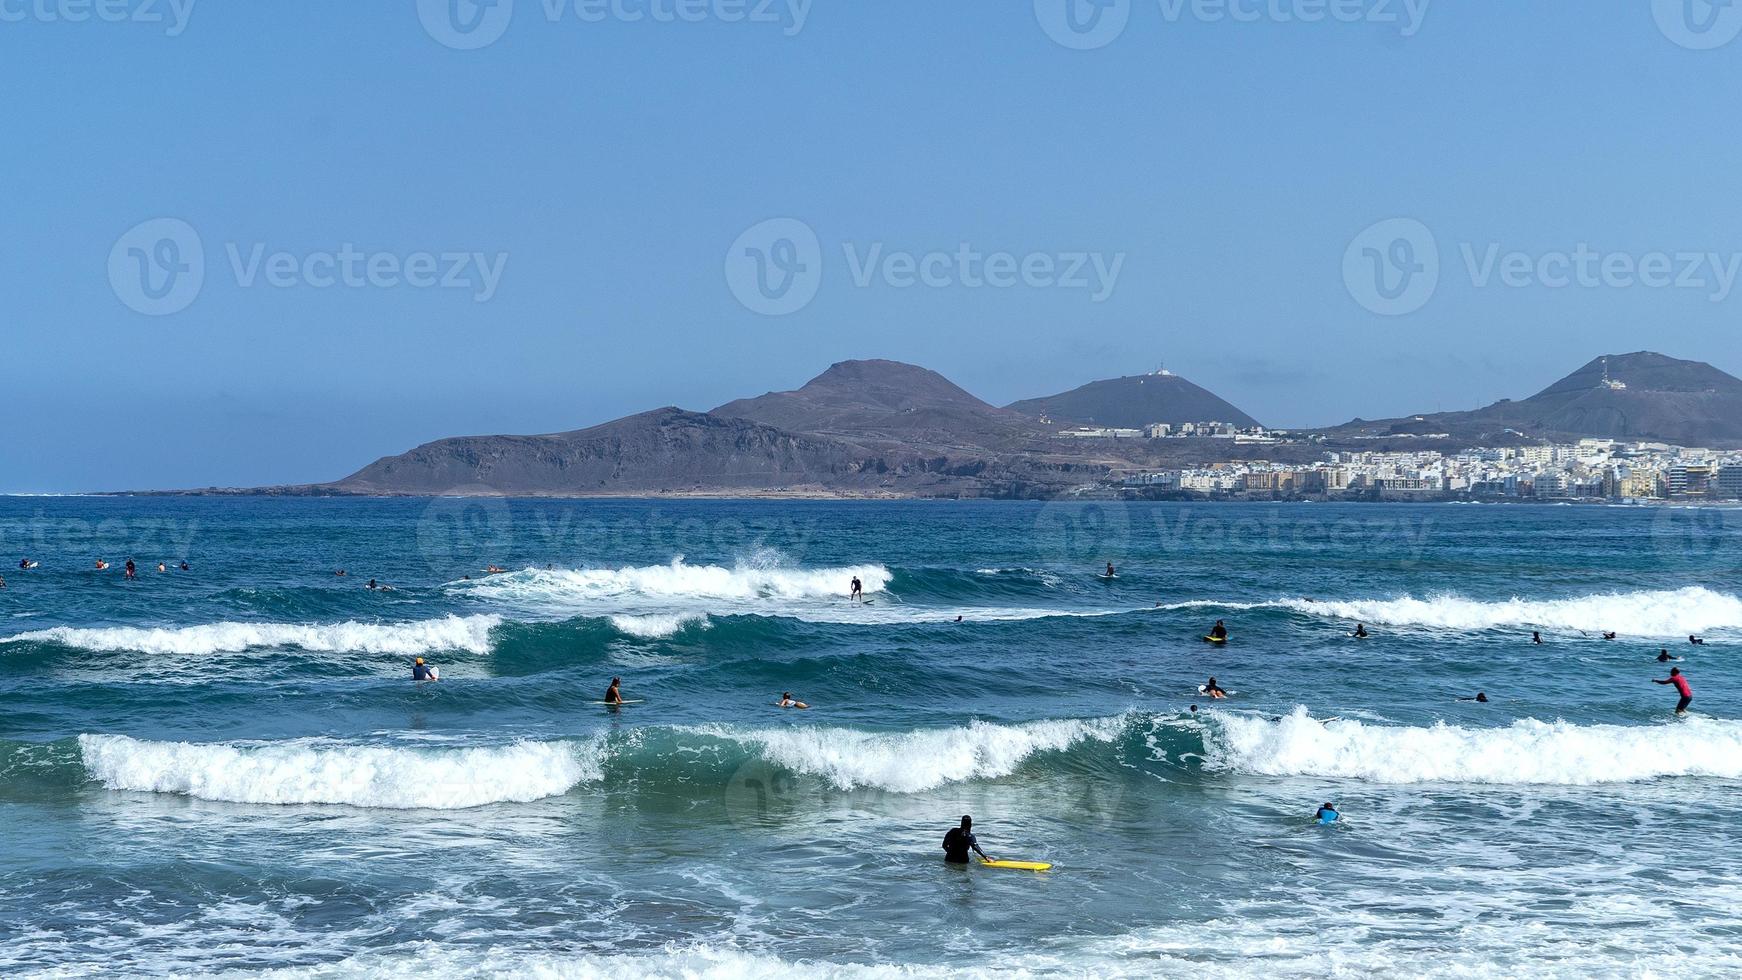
[
  {"x": 1525, "y": 753},
  {"x": 467, "y": 633},
  {"x": 1663, "y": 613},
  {"x": 318, "y": 771}
]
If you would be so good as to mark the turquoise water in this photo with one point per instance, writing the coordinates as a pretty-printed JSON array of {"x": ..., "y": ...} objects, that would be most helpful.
[{"x": 228, "y": 769}]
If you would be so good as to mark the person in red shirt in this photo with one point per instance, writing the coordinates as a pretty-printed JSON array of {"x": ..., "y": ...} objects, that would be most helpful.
[{"x": 1680, "y": 681}]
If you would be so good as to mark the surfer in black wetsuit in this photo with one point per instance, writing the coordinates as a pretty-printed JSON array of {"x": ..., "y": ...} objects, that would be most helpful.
[
  {"x": 1536, "y": 636},
  {"x": 1214, "y": 690},
  {"x": 1696, "y": 641},
  {"x": 1663, "y": 657},
  {"x": 1110, "y": 571},
  {"x": 1481, "y": 698},
  {"x": 614, "y": 693},
  {"x": 1360, "y": 631},
  {"x": 858, "y": 589},
  {"x": 1219, "y": 631},
  {"x": 959, "y": 841}
]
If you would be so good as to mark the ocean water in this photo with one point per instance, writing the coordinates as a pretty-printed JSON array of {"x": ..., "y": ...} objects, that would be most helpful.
[{"x": 228, "y": 770}]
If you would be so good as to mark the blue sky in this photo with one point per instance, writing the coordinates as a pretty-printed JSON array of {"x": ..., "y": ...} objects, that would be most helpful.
[{"x": 601, "y": 170}]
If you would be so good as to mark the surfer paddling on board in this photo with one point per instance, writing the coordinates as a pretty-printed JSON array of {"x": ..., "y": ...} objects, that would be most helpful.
[
  {"x": 1327, "y": 814},
  {"x": 1680, "y": 680},
  {"x": 786, "y": 701},
  {"x": 1213, "y": 689},
  {"x": 856, "y": 590},
  {"x": 960, "y": 840},
  {"x": 1696, "y": 641},
  {"x": 1480, "y": 698},
  {"x": 1360, "y": 631},
  {"x": 1663, "y": 657},
  {"x": 614, "y": 693}
]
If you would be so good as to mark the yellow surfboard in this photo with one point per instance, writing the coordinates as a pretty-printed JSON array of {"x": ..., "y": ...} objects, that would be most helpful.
[{"x": 1019, "y": 865}]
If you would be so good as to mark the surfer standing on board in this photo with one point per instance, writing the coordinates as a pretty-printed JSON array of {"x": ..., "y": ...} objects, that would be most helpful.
[
  {"x": 1680, "y": 680},
  {"x": 857, "y": 589}
]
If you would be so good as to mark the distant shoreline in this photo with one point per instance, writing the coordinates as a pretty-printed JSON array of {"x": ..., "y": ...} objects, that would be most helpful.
[{"x": 830, "y": 495}]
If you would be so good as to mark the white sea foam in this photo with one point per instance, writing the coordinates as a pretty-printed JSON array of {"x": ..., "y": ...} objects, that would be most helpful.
[
  {"x": 1526, "y": 752},
  {"x": 1676, "y": 612},
  {"x": 657, "y": 625},
  {"x": 1310, "y": 942},
  {"x": 310, "y": 771},
  {"x": 911, "y": 762},
  {"x": 643, "y": 601},
  {"x": 468, "y": 633},
  {"x": 745, "y": 582},
  {"x": 1662, "y": 613}
]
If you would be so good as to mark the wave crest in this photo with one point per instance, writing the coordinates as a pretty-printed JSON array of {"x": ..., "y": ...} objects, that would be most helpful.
[
  {"x": 1527, "y": 752},
  {"x": 467, "y": 633},
  {"x": 911, "y": 762},
  {"x": 323, "y": 772}
]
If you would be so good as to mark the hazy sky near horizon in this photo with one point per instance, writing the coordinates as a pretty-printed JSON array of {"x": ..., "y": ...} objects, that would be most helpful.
[{"x": 269, "y": 243}]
